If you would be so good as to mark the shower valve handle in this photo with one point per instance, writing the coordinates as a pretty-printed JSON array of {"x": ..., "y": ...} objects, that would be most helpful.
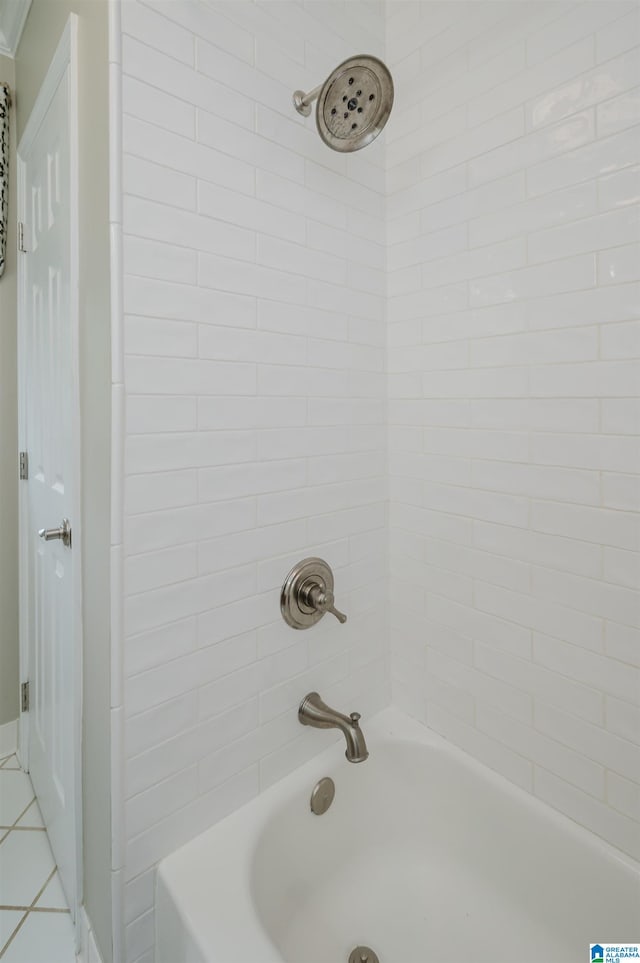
[
  {"x": 307, "y": 594},
  {"x": 322, "y": 599}
]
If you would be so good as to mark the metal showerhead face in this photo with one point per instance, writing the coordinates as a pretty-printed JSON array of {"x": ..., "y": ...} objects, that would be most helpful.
[{"x": 354, "y": 103}]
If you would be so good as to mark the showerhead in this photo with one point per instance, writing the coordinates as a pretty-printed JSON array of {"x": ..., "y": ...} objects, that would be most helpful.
[{"x": 354, "y": 103}]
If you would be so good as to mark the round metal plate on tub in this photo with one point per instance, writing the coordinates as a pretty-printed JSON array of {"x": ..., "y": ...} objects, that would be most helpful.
[
  {"x": 322, "y": 796},
  {"x": 354, "y": 103},
  {"x": 363, "y": 954}
]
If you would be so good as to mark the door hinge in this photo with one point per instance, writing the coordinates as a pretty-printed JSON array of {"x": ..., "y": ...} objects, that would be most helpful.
[
  {"x": 21, "y": 241},
  {"x": 24, "y": 466},
  {"x": 24, "y": 697}
]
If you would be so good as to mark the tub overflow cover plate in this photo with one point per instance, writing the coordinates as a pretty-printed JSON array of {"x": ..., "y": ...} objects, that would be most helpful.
[
  {"x": 363, "y": 954},
  {"x": 322, "y": 796}
]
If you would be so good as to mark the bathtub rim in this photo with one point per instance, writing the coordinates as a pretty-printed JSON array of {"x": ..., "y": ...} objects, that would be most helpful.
[{"x": 233, "y": 840}]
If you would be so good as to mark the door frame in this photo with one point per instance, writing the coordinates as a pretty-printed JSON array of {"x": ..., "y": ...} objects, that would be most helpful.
[{"x": 64, "y": 59}]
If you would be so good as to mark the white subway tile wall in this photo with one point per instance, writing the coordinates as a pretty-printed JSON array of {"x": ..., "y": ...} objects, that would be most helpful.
[
  {"x": 423, "y": 351},
  {"x": 513, "y": 268},
  {"x": 254, "y": 262}
]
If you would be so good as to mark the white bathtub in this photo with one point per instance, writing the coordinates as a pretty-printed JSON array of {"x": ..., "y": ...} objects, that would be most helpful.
[{"x": 424, "y": 856}]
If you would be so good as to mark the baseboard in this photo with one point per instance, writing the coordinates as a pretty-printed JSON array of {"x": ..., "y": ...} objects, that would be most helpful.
[
  {"x": 89, "y": 952},
  {"x": 8, "y": 738}
]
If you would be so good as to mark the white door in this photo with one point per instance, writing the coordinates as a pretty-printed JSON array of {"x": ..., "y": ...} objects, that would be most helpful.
[{"x": 48, "y": 433}]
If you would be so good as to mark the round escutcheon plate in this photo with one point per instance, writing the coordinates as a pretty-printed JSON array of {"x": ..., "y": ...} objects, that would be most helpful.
[
  {"x": 322, "y": 796},
  {"x": 295, "y": 611}
]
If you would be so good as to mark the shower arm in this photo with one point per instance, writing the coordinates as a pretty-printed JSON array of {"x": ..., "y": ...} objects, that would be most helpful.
[{"x": 302, "y": 102}]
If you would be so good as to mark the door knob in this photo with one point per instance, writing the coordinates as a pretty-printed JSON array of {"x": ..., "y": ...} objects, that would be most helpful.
[{"x": 63, "y": 533}]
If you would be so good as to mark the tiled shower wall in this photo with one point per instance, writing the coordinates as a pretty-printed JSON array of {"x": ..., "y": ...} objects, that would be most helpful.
[
  {"x": 255, "y": 407},
  {"x": 513, "y": 321},
  {"x": 255, "y": 335}
]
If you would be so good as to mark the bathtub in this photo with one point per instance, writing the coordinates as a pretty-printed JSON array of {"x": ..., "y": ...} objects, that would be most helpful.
[{"x": 424, "y": 855}]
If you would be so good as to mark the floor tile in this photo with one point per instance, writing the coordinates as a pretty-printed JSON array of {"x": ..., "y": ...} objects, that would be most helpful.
[
  {"x": 9, "y": 919},
  {"x": 11, "y": 762},
  {"x": 43, "y": 938},
  {"x": 26, "y": 863},
  {"x": 32, "y": 817},
  {"x": 16, "y": 792},
  {"x": 53, "y": 896}
]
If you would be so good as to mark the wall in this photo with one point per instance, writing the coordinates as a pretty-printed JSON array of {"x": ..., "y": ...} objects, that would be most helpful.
[
  {"x": 254, "y": 377},
  {"x": 9, "y": 655},
  {"x": 43, "y": 28},
  {"x": 254, "y": 386},
  {"x": 513, "y": 307}
]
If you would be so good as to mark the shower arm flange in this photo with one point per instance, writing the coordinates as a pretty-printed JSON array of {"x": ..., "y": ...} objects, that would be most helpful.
[{"x": 302, "y": 102}]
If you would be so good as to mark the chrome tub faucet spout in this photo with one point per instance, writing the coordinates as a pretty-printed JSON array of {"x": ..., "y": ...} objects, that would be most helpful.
[{"x": 314, "y": 712}]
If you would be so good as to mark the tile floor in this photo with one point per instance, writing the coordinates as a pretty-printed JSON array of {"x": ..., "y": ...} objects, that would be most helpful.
[{"x": 35, "y": 925}]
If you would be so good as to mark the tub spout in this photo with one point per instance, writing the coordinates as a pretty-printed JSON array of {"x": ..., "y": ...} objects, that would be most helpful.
[{"x": 314, "y": 712}]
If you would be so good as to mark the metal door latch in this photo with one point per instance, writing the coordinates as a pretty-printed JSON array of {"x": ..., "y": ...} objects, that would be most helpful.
[{"x": 63, "y": 533}]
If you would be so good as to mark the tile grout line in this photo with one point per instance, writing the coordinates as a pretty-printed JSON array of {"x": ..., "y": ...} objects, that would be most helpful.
[
  {"x": 34, "y": 909},
  {"x": 23, "y": 829},
  {"x": 43, "y": 887},
  {"x": 7, "y": 759},
  {"x": 18, "y": 818},
  {"x": 23, "y": 813},
  {"x": 29, "y": 910},
  {"x": 11, "y": 938}
]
